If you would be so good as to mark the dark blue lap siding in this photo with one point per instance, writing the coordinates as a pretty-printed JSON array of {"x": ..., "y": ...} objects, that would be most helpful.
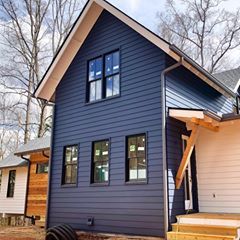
[
  {"x": 133, "y": 209},
  {"x": 119, "y": 207}
]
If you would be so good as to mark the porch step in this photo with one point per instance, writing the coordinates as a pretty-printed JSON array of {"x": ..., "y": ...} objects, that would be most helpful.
[
  {"x": 205, "y": 229},
  {"x": 196, "y": 236},
  {"x": 231, "y": 220}
]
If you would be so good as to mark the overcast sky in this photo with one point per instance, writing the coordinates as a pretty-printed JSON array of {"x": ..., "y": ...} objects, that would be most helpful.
[{"x": 144, "y": 11}]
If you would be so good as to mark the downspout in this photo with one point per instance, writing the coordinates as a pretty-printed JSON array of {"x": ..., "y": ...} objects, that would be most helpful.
[
  {"x": 237, "y": 103},
  {"x": 50, "y": 169},
  {"x": 164, "y": 142},
  {"x": 28, "y": 174},
  {"x": 45, "y": 155}
]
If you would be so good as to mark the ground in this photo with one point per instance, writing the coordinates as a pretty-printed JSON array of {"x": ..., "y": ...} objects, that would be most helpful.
[{"x": 36, "y": 233}]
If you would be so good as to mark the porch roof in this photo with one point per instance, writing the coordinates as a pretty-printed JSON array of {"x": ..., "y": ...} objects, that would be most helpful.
[{"x": 196, "y": 119}]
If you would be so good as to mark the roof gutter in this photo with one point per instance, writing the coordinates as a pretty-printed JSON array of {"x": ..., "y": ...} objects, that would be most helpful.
[
  {"x": 202, "y": 70},
  {"x": 164, "y": 143}
]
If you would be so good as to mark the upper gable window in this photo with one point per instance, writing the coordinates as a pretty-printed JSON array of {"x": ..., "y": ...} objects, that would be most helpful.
[{"x": 103, "y": 77}]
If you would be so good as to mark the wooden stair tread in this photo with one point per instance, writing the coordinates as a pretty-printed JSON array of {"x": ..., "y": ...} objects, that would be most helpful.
[
  {"x": 205, "y": 225},
  {"x": 223, "y": 216},
  {"x": 196, "y": 236}
]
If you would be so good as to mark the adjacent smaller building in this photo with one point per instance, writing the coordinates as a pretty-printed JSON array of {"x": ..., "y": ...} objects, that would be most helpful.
[
  {"x": 13, "y": 181},
  {"x": 24, "y": 181}
]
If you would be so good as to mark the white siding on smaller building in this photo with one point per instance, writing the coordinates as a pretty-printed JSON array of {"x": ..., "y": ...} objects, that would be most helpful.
[
  {"x": 15, "y": 205},
  {"x": 218, "y": 170}
]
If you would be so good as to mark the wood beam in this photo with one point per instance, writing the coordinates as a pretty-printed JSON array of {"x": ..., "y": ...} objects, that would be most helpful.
[
  {"x": 204, "y": 124},
  {"x": 186, "y": 156}
]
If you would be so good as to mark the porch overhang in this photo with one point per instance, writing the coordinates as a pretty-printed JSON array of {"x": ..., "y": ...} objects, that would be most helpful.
[{"x": 195, "y": 120}]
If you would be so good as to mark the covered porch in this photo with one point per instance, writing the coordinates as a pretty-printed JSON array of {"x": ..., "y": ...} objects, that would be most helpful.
[{"x": 216, "y": 142}]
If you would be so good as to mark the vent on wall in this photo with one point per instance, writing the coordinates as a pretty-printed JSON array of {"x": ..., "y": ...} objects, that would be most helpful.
[{"x": 90, "y": 221}]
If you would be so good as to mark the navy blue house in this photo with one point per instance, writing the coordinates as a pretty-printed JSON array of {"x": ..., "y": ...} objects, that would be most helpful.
[{"x": 115, "y": 149}]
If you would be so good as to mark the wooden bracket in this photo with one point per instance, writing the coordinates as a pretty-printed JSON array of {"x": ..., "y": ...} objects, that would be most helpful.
[{"x": 187, "y": 154}]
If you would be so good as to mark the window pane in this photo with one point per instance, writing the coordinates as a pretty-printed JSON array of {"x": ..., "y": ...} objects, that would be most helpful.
[
  {"x": 116, "y": 62},
  {"x": 68, "y": 155},
  {"x": 116, "y": 85},
  {"x": 100, "y": 172},
  {"x": 109, "y": 86},
  {"x": 141, "y": 146},
  {"x": 42, "y": 168},
  {"x": 98, "y": 65},
  {"x": 68, "y": 173},
  {"x": 105, "y": 151},
  {"x": 97, "y": 151},
  {"x": 11, "y": 183},
  {"x": 132, "y": 168},
  {"x": 74, "y": 174},
  {"x": 91, "y": 74},
  {"x": 132, "y": 147},
  {"x": 92, "y": 91},
  {"x": 142, "y": 168},
  {"x": 98, "y": 89},
  {"x": 74, "y": 154},
  {"x": 108, "y": 65}
]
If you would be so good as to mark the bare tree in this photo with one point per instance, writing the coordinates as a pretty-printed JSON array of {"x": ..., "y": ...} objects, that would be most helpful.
[
  {"x": 32, "y": 32},
  {"x": 201, "y": 28}
]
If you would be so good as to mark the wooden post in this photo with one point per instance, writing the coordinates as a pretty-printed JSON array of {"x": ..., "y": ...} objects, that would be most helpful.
[{"x": 187, "y": 154}]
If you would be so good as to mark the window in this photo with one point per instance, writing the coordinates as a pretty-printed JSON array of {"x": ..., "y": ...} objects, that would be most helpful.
[
  {"x": 42, "y": 168},
  {"x": 112, "y": 74},
  {"x": 11, "y": 183},
  {"x": 104, "y": 81},
  {"x": 136, "y": 158},
  {"x": 0, "y": 179},
  {"x": 100, "y": 161},
  {"x": 95, "y": 79},
  {"x": 70, "y": 164}
]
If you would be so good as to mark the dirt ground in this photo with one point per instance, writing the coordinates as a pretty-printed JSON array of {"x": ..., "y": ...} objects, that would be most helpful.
[{"x": 36, "y": 233}]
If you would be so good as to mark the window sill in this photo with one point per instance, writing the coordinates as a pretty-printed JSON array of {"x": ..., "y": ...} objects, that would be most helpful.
[
  {"x": 69, "y": 185},
  {"x": 102, "y": 100},
  {"x": 136, "y": 182},
  {"x": 99, "y": 184}
]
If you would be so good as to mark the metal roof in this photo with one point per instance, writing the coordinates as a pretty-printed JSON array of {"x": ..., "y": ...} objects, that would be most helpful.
[
  {"x": 12, "y": 161},
  {"x": 230, "y": 78},
  {"x": 36, "y": 145}
]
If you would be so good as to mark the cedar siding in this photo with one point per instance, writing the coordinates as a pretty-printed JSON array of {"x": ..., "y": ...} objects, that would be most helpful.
[
  {"x": 118, "y": 207},
  {"x": 37, "y": 188}
]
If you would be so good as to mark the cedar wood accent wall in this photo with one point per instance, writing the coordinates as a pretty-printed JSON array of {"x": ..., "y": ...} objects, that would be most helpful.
[
  {"x": 118, "y": 207},
  {"x": 37, "y": 188}
]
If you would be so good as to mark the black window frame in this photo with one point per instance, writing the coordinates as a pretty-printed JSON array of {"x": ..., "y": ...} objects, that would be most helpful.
[
  {"x": 63, "y": 182},
  {"x": 127, "y": 172},
  {"x": 41, "y": 166},
  {"x": 92, "y": 180},
  {"x": 10, "y": 188},
  {"x": 103, "y": 78}
]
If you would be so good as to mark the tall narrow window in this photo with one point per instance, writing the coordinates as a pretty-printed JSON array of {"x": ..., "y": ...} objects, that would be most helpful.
[
  {"x": 70, "y": 165},
  {"x": 100, "y": 161},
  {"x": 95, "y": 79},
  {"x": 112, "y": 74},
  {"x": 11, "y": 183},
  {"x": 0, "y": 179},
  {"x": 136, "y": 158}
]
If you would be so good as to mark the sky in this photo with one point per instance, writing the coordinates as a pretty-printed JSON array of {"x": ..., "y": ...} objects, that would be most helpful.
[{"x": 144, "y": 11}]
